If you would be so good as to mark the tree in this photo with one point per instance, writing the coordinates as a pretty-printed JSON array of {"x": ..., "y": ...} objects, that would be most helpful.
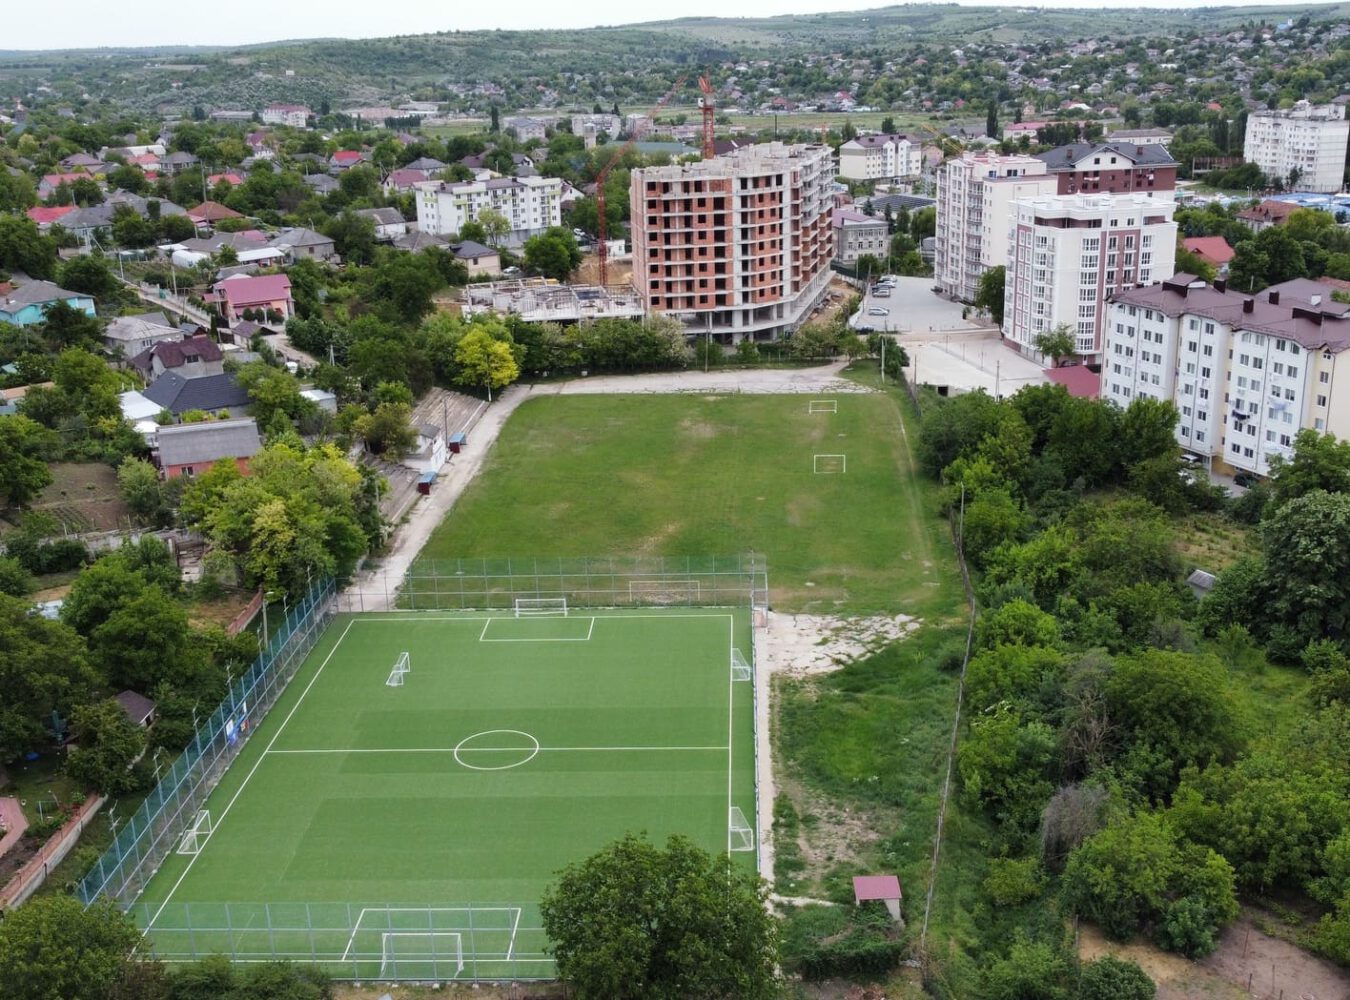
[
  {"x": 53, "y": 946},
  {"x": 143, "y": 642},
  {"x": 388, "y": 431},
  {"x": 639, "y": 921},
  {"x": 1136, "y": 875},
  {"x": 485, "y": 361},
  {"x": 107, "y": 744},
  {"x": 1148, "y": 430},
  {"x": 991, "y": 121},
  {"x": 989, "y": 296},
  {"x": 142, "y": 491},
  {"x": 43, "y": 670},
  {"x": 1111, "y": 978},
  {"x": 553, "y": 253},
  {"x": 23, "y": 473},
  {"x": 1006, "y": 764},
  {"x": 15, "y": 580},
  {"x": 89, "y": 274},
  {"x": 353, "y": 237},
  {"x": 1319, "y": 462},
  {"x": 1189, "y": 262},
  {"x": 1308, "y": 576},
  {"x": 23, "y": 248},
  {"x": 1056, "y": 343}
]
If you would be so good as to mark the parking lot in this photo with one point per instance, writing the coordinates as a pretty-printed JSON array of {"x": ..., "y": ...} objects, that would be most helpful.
[{"x": 909, "y": 305}]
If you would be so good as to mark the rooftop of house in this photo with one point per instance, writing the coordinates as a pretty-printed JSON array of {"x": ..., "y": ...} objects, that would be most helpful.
[
  {"x": 135, "y": 328},
  {"x": 46, "y": 214},
  {"x": 382, "y": 216},
  {"x": 178, "y": 395},
  {"x": 1214, "y": 249},
  {"x": 424, "y": 163},
  {"x": 176, "y": 353},
  {"x": 419, "y": 241},
  {"x": 299, "y": 236},
  {"x": 1067, "y": 157},
  {"x": 208, "y": 441},
  {"x": 37, "y": 293},
  {"x": 1301, "y": 310},
  {"x": 470, "y": 250},
  {"x": 1269, "y": 211},
  {"x": 852, "y": 217},
  {"x": 875, "y": 141},
  {"x": 137, "y": 707},
  {"x": 212, "y": 211},
  {"x": 1080, "y": 380},
  {"x": 254, "y": 289}
]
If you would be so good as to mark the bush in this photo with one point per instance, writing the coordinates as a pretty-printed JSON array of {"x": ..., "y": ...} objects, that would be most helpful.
[
  {"x": 54, "y": 557},
  {"x": 15, "y": 580},
  {"x": 1110, "y": 978},
  {"x": 1013, "y": 881},
  {"x": 821, "y": 942}
]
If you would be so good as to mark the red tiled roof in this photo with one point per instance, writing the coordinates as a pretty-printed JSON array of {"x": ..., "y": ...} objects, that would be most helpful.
[
  {"x": 347, "y": 156},
  {"x": 1270, "y": 211},
  {"x": 1214, "y": 249},
  {"x": 1080, "y": 381},
  {"x": 43, "y": 214},
  {"x": 55, "y": 179},
  {"x": 867, "y": 887},
  {"x": 212, "y": 211},
  {"x": 145, "y": 159},
  {"x": 259, "y": 290},
  {"x": 229, "y": 178}
]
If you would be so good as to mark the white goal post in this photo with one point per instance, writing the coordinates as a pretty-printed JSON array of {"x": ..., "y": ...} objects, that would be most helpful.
[
  {"x": 195, "y": 836},
  {"x": 527, "y": 607},
  {"x": 823, "y": 406},
  {"x": 402, "y": 668},
  {"x": 824, "y": 465},
  {"x": 740, "y": 667},
  {"x": 421, "y": 954},
  {"x": 740, "y": 835}
]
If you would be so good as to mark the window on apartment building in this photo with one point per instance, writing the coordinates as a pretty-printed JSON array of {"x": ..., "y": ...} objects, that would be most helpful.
[
  {"x": 1087, "y": 312},
  {"x": 1089, "y": 278},
  {"x": 1279, "y": 344},
  {"x": 1270, "y": 436},
  {"x": 1246, "y": 335},
  {"x": 1199, "y": 435},
  {"x": 1188, "y": 388},
  {"x": 1285, "y": 440},
  {"x": 1256, "y": 385},
  {"x": 1201, "y": 414},
  {"x": 1277, "y": 367},
  {"x": 1089, "y": 260},
  {"x": 1087, "y": 295},
  {"x": 1292, "y": 371},
  {"x": 1194, "y": 324},
  {"x": 1156, "y": 379},
  {"x": 1204, "y": 394},
  {"x": 1134, "y": 311},
  {"x": 1242, "y": 381},
  {"x": 1321, "y": 400},
  {"x": 1157, "y": 359},
  {"x": 1289, "y": 394},
  {"x": 1110, "y": 260},
  {"x": 1209, "y": 350},
  {"x": 1324, "y": 377},
  {"x": 1191, "y": 346},
  {"x": 1293, "y": 349},
  {"x": 1112, "y": 243},
  {"x": 1258, "y": 363},
  {"x": 1190, "y": 368},
  {"x": 1236, "y": 449},
  {"x": 1326, "y": 355},
  {"x": 1115, "y": 387},
  {"x": 1092, "y": 243}
]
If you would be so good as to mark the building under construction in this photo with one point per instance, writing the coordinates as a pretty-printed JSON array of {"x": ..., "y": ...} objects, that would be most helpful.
[{"x": 539, "y": 300}]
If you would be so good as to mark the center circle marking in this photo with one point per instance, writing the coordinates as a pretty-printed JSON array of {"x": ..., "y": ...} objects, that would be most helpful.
[{"x": 531, "y": 751}]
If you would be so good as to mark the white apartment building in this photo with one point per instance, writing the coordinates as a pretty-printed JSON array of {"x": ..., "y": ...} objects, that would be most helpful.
[
  {"x": 1307, "y": 139},
  {"x": 526, "y": 128},
  {"x": 530, "y": 204},
  {"x": 294, "y": 115},
  {"x": 975, "y": 194},
  {"x": 880, "y": 157},
  {"x": 1246, "y": 372},
  {"x": 600, "y": 123},
  {"x": 737, "y": 246},
  {"x": 1068, "y": 253}
]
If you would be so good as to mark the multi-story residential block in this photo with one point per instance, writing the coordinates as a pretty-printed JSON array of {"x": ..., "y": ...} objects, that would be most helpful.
[
  {"x": 1246, "y": 372},
  {"x": 974, "y": 212},
  {"x": 1113, "y": 168},
  {"x": 880, "y": 157},
  {"x": 530, "y": 204},
  {"x": 1067, "y": 254},
  {"x": 612, "y": 124},
  {"x": 525, "y": 128},
  {"x": 295, "y": 115},
  {"x": 737, "y": 246},
  {"x": 1141, "y": 136},
  {"x": 857, "y": 234},
  {"x": 1303, "y": 147}
]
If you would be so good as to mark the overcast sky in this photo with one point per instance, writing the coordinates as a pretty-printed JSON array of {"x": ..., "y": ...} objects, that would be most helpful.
[{"x": 92, "y": 23}]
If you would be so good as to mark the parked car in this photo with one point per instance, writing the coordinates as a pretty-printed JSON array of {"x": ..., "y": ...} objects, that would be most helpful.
[
  {"x": 1246, "y": 479},
  {"x": 878, "y": 311}
]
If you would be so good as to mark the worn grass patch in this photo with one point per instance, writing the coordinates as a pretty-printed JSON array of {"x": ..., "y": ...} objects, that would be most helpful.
[{"x": 716, "y": 475}]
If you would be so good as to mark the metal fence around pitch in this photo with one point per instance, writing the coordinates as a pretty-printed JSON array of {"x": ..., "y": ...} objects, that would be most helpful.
[
  {"x": 153, "y": 831},
  {"x": 605, "y": 582},
  {"x": 467, "y": 942}
]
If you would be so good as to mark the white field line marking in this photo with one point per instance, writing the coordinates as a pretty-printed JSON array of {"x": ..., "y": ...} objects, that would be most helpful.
[
  {"x": 356, "y": 928},
  {"x": 253, "y": 770},
  {"x": 731, "y": 719},
  {"x": 483, "y": 636},
  {"x": 515, "y": 924},
  {"x": 377, "y": 617},
  {"x": 308, "y": 956},
  {"x": 334, "y": 750}
]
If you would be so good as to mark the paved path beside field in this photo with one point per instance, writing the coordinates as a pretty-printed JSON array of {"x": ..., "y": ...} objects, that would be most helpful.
[
  {"x": 823, "y": 380},
  {"x": 13, "y": 821}
]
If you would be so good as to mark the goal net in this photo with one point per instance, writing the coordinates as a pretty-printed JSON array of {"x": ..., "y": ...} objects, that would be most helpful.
[
  {"x": 195, "y": 836},
  {"x": 421, "y": 955},
  {"x": 402, "y": 668},
  {"x": 659, "y": 592},
  {"x": 742, "y": 836},
  {"x": 740, "y": 667},
  {"x": 826, "y": 465},
  {"x": 527, "y": 607},
  {"x": 823, "y": 406}
]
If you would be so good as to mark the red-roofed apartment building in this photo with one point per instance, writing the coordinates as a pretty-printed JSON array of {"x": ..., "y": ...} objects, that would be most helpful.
[
  {"x": 1213, "y": 250},
  {"x": 270, "y": 293}
]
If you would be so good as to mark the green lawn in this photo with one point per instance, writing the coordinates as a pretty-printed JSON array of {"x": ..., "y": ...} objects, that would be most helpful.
[
  {"x": 388, "y": 831},
  {"x": 694, "y": 476}
]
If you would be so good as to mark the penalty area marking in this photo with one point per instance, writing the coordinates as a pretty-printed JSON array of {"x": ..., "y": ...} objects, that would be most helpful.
[
  {"x": 826, "y": 465},
  {"x": 590, "y": 630},
  {"x": 461, "y": 748}
]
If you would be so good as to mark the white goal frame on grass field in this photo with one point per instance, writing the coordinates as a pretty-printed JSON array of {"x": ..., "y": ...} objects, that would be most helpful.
[
  {"x": 829, "y": 465},
  {"x": 389, "y": 960},
  {"x": 402, "y": 668},
  {"x": 740, "y": 834},
  {"x": 740, "y": 666},
  {"x": 195, "y": 836},
  {"x": 538, "y": 607},
  {"x": 823, "y": 406}
]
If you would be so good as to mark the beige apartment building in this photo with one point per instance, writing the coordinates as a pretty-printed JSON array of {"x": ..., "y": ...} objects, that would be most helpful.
[
  {"x": 1246, "y": 372},
  {"x": 738, "y": 246}
]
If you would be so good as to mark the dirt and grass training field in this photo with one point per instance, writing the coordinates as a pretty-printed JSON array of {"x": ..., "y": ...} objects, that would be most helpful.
[{"x": 823, "y": 487}]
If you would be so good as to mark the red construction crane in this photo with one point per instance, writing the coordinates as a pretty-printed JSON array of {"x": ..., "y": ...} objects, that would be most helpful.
[
  {"x": 602, "y": 227},
  {"x": 705, "y": 104}
]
